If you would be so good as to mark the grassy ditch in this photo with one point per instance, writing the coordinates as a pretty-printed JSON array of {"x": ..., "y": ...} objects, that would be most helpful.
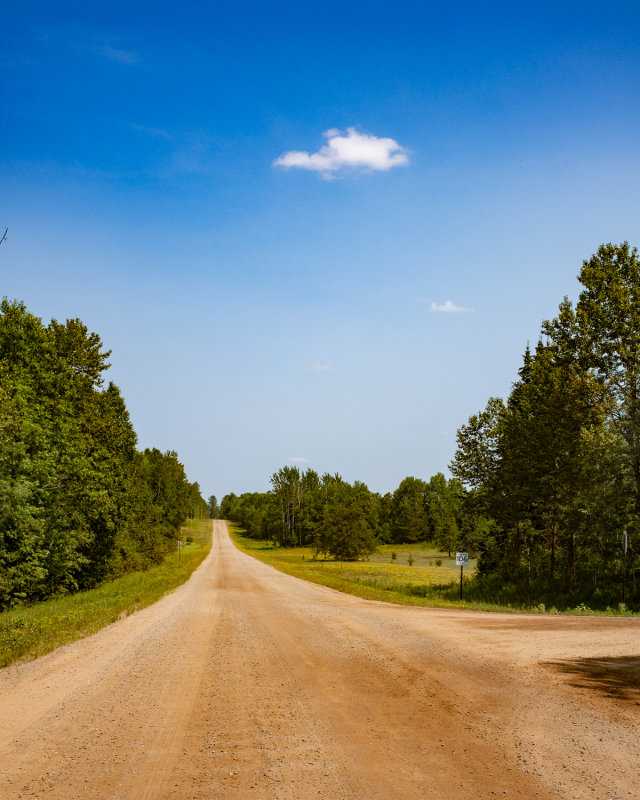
[
  {"x": 417, "y": 576},
  {"x": 27, "y": 632}
]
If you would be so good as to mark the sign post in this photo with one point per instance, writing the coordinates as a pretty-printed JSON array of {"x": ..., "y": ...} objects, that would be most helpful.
[
  {"x": 462, "y": 559},
  {"x": 180, "y": 549}
]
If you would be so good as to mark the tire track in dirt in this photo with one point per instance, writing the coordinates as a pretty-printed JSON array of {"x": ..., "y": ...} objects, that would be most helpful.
[{"x": 247, "y": 683}]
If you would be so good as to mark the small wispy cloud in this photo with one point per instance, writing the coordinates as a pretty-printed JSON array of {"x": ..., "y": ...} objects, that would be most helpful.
[
  {"x": 122, "y": 56},
  {"x": 157, "y": 132},
  {"x": 350, "y": 150},
  {"x": 298, "y": 460},
  {"x": 449, "y": 308},
  {"x": 318, "y": 368}
]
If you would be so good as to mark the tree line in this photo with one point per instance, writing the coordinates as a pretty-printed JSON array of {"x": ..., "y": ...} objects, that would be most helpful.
[
  {"x": 346, "y": 521},
  {"x": 546, "y": 485},
  {"x": 79, "y": 503},
  {"x": 555, "y": 470}
]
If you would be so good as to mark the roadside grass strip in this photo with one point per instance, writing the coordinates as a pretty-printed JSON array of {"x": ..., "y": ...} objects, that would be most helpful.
[
  {"x": 27, "y": 632},
  {"x": 418, "y": 576}
]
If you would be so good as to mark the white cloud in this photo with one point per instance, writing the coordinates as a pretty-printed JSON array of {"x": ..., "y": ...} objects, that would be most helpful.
[
  {"x": 449, "y": 308},
  {"x": 298, "y": 460},
  {"x": 353, "y": 150},
  {"x": 318, "y": 368}
]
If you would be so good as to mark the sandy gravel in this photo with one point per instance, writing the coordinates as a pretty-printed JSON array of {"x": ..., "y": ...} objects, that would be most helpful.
[{"x": 247, "y": 683}]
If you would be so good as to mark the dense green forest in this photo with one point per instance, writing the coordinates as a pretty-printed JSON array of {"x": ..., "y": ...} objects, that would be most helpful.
[
  {"x": 79, "y": 504},
  {"x": 545, "y": 486},
  {"x": 346, "y": 521},
  {"x": 556, "y": 468}
]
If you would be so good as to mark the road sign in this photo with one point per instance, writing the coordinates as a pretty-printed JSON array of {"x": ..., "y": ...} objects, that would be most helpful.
[
  {"x": 179, "y": 544},
  {"x": 462, "y": 559}
]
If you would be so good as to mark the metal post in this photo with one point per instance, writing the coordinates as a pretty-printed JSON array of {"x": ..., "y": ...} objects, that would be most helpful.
[{"x": 461, "y": 568}]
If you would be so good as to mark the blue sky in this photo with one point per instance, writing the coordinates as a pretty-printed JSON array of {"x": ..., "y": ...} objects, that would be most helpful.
[{"x": 347, "y": 317}]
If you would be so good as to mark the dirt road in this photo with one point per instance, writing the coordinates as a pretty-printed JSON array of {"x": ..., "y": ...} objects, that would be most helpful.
[{"x": 246, "y": 683}]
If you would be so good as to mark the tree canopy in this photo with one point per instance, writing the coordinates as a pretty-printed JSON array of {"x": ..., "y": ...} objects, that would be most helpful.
[
  {"x": 557, "y": 468},
  {"x": 346, "y": 521},
  {"x": 78, "y": 502}
]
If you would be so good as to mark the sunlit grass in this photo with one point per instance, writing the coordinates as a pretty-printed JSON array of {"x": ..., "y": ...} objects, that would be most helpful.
[
  {"x": 30, "y": 631},
  {"x": 422, "y": 583},
  {"x": 425, "y": 582}
]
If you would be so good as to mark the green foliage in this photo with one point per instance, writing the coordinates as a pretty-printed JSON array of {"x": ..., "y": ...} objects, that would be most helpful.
[
  {"x": 555, "y": 473},
  {"x": 445, "y": 511},
  {"x": 543, "y": 484},
  {"x": 477, "y": 456},
  {"x": 213, "y": 508},
  {"x": 28, "y": 632},
  {"x": 346, "y": 530},
  {"x": 78, "y": 503},
  {"x": 608, "y": 323},
  {"x": 409, "y": 519},
  {"x": 338, "y": 519},
  {"x": 374, "y": 578},
  {"x": 419, "y": 585}
]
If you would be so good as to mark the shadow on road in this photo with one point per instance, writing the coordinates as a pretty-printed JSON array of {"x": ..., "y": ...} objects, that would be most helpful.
[{"x": 617, "y": 677}]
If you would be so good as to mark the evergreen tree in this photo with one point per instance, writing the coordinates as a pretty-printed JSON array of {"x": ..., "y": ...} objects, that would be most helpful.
[
  {"x": 408, "y": 513},
  {"x": 213, "y": 507},
  {"x": 78, "y": 504},
  {"x": 557, "y": 469}
]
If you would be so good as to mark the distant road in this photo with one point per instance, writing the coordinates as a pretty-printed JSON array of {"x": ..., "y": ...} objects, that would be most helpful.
[{"x": 247, "y": 683}]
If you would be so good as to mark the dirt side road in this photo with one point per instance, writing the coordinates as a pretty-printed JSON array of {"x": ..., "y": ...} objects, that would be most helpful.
[{"x": 246, "y": 683}]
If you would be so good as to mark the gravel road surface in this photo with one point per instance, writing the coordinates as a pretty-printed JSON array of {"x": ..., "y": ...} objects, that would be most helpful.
[{"x": 247, "y": 683}]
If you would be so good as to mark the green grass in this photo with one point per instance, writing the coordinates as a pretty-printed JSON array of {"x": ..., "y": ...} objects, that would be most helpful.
[
  {"x": 423, "y": 583},
  {"x": 27, "y": 632},
  {"x": 396, "y": 581}
]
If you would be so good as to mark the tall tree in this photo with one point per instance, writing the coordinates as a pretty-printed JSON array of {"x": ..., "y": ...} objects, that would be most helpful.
[
  {"x": 78, "y": 504},
  {"x": 408, "y": 514},
  {"x": 608, "y": 317},
  {"x": 213, "y": 507},
  {"x": 347, "y": 527},
  {"x": 288, "y": 492},
  {"x": 444, "y": 500},
  {"x": 553, "y": 466},
  {"x": 477, "y": 456},
  {"x": 541, "y": 457}
]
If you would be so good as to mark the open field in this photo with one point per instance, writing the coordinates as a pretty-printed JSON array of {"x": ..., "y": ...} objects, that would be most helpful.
[
  {"x": 432, "y": 579},
  {"x": 423, "y": 583},
  {"x": 247, "y": 683},
  {"x": 30, "y": 631}
]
